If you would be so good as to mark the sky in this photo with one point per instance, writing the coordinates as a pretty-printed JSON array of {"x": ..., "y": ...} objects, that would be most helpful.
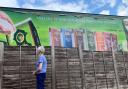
[{"x": 106, "y": 7}]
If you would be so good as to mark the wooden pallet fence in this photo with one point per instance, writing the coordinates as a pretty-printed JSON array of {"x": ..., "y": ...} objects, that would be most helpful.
[{"x": 68, "y": 68}]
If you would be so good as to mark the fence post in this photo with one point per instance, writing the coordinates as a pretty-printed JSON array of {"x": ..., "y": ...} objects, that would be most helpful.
[
  {"x": 53, "y": 67},
  {"x": 115, "y": 68},
  {"x": 82, "y": 66},
  {"x": 1, "y": 62},
  {"x": 114, "y": 63},
  {"x": 20, "y": 69}
]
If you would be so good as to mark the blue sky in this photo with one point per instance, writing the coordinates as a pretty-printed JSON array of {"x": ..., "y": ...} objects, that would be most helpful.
[{"x": 107, "y": 7}]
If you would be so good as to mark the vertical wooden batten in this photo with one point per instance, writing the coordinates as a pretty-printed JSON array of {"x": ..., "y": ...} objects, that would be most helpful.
[{"x": 1, "y": 58}]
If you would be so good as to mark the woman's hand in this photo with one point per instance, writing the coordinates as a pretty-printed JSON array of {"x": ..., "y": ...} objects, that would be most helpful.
[
  {"x": 34, "y": 73},
  {"x": 38, "y": 70}
]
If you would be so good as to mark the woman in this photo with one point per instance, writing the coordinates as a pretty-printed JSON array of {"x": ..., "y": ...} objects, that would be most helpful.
[{"x": 41, "y": 66}]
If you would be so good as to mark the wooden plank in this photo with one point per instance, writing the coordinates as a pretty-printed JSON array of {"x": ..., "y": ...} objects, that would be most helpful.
[
  {"x": 1, "y": 63},
  {"x": 82, "y": 67},
  {"x": 53, "y": 67}
]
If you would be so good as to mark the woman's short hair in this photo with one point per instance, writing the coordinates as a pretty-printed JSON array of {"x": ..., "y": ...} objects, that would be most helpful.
[{"x": 41, "y": 49}]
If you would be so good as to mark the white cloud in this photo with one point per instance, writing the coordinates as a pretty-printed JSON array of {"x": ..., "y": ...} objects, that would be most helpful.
[
  {"x": 98, "y": 3},
  {"x": 29, "y": 6},
  {"x": 112, "y": 2},
  {"x": 49, "y": 1},
  {"x": 32, "y": 1},
  {"x": 105, "y": 12},
  {"x": 101, "y": 3},
  {"x": 122, "y": 11},
  {"x": 8, "y": 3},
  {"x": 58, "y": 6},
  {"x": 75, "y": 7},
  {"x": 125, "y": 2}
]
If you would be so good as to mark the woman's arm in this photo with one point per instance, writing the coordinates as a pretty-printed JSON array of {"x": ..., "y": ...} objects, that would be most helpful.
[{"x": 38, "y": 69}]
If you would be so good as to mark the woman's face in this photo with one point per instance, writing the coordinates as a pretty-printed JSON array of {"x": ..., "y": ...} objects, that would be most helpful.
[{"x": 37, "y": 52}]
